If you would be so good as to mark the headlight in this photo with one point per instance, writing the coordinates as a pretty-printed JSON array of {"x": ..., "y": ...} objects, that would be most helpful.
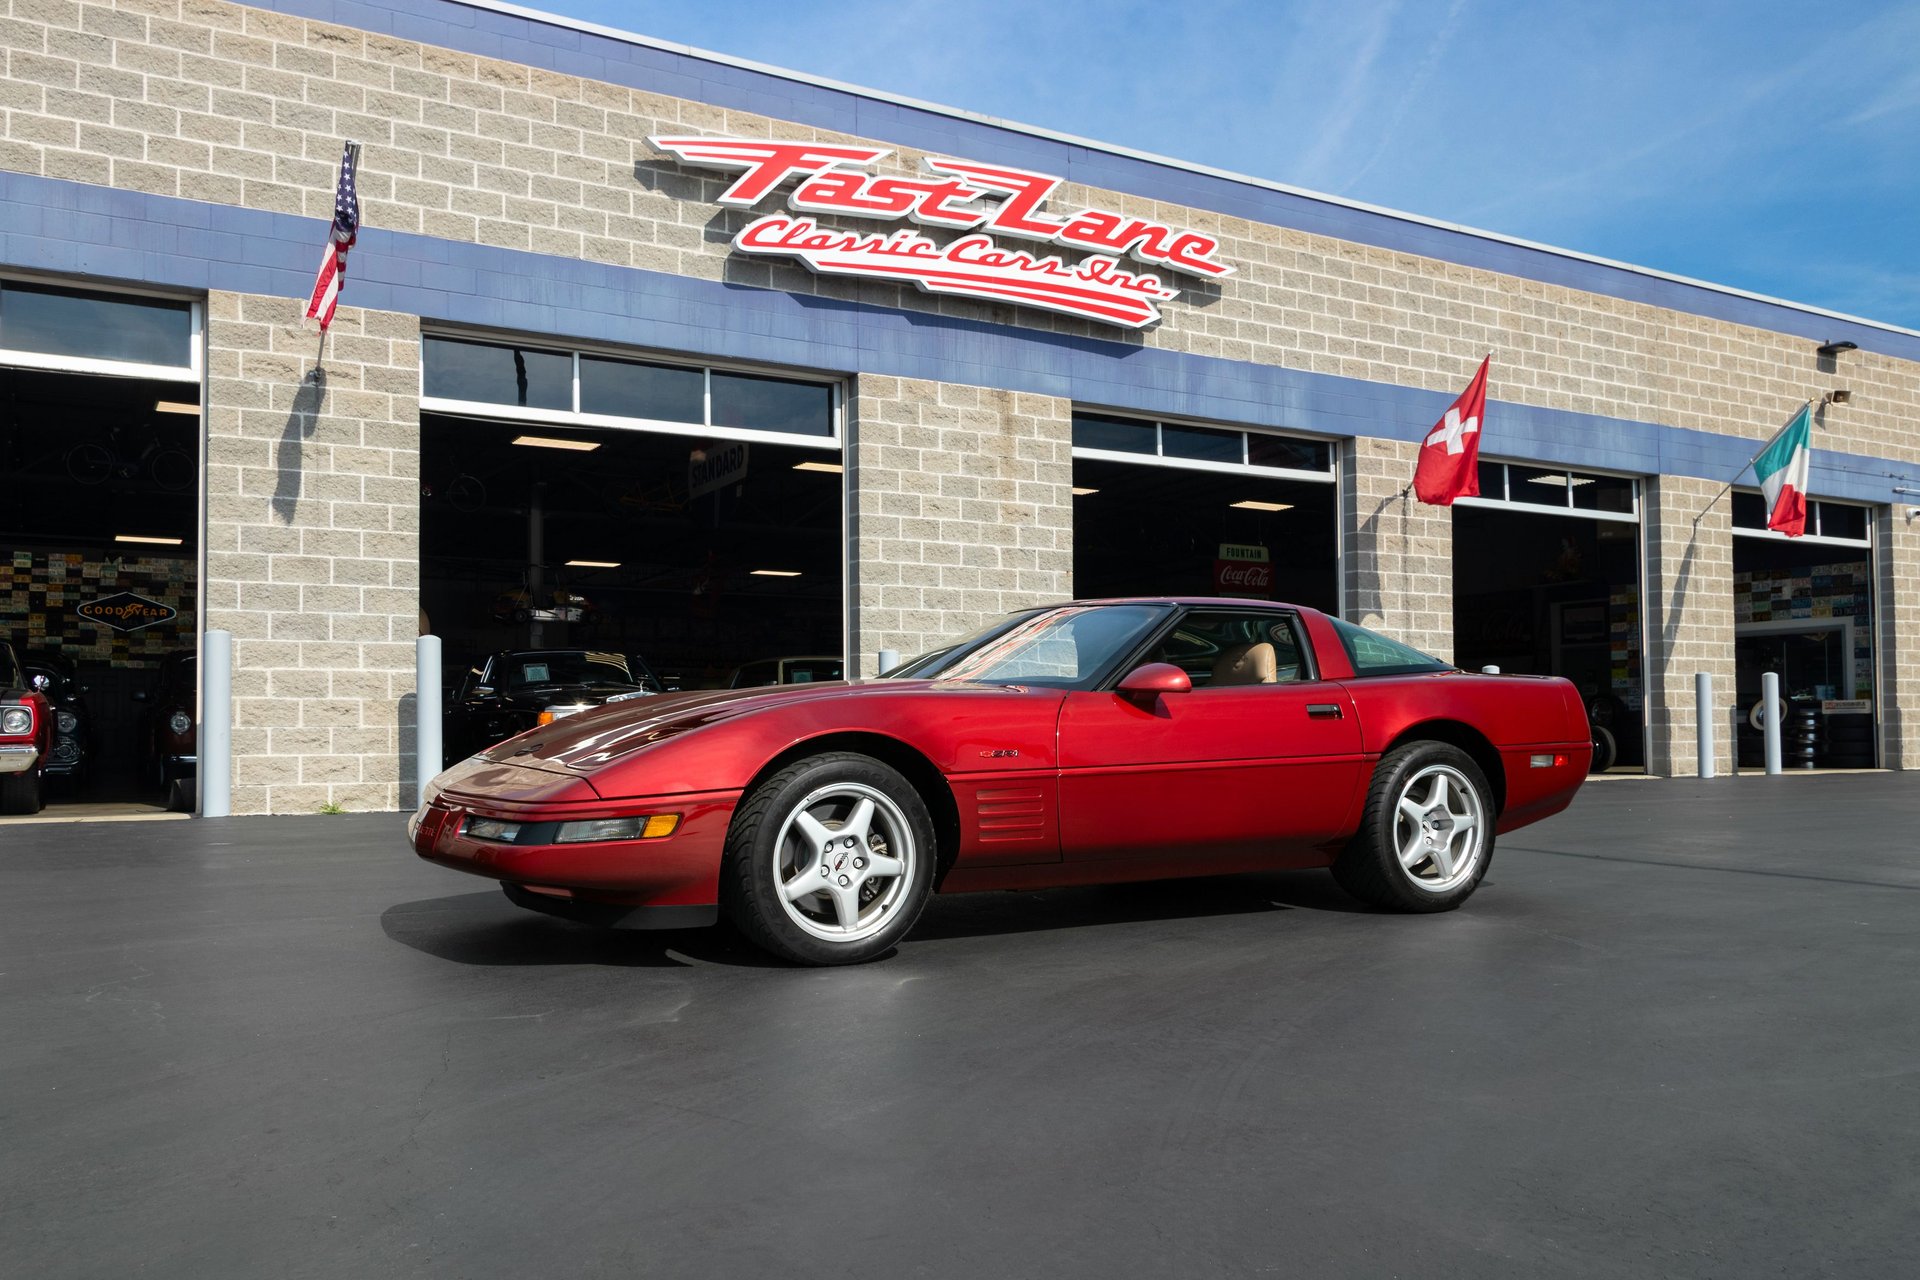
[
  {"x": 180, "y": 722},
  {"x": 650, "y": 828},
  {"x": 492, "y": 829},
  {"x": 66, "y": 750},
  {"x": 16, "y": 721},
  {"x": 66, "y": 721}
]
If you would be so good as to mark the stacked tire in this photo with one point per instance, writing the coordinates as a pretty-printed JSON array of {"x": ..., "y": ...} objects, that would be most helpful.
[
  {"x": 1800, "y": 738},
  {"x": 1850, "y": 741}
]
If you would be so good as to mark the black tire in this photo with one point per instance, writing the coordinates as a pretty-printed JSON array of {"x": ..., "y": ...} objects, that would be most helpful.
[
  {"x": 180, "y": 795},
  {"x": 1371, "y": 868},
  {"x": 23, "y": 793},
  {"x": 1605, "y": 750},
  {"x": 769, "y": 849}
]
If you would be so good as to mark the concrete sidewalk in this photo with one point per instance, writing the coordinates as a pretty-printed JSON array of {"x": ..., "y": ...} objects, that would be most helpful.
[{"x": 1674, "y": 1034}]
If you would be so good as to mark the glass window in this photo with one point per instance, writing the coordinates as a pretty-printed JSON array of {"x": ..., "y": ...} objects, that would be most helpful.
[
  {"x": 1603, "y": 493},
  {"x": 496, "y": 374},
  {"x": 772, "y": 404},
  {"x": 1493, "y": 480},
  {"x": 95, "y": 326},
  {"x": 1542, "y": 486},
  {"x": 630, "y": 389},
  {"x": 1069, "y": 647},
  {"x": 1297, "y": 455},
  {"x": 1839, "y": 520},
  {"x": 1203, "y": 444},
  {"x": 1375, "y": 655},
  {"x": 1093, "y": 431},
  {"x": 531, "y": 669},
  {"x": 1749, "y": 511},
  {"x": 1234, "y": 648}
]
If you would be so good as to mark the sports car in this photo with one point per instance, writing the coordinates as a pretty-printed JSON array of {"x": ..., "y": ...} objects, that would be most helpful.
[{"x": 1087, "y": 742}]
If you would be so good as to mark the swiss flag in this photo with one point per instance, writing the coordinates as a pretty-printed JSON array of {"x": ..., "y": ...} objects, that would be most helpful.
[{"x": 1450, "y": 455}]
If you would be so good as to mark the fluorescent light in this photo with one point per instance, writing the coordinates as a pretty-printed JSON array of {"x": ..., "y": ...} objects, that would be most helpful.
[
  {"x": 776, "y": 573},
  {"x": 593, "y": 564},
  {"x": 556, "y": 442},
  {"x": 1251, "y": 505},
  {"x": 176, "y": 406},
  {"x": 1079, "y": 492},
  {"x": 136, "y": 537},
  {"x": 831, "y": 467},
  {"x": 1564, "y": 482}
]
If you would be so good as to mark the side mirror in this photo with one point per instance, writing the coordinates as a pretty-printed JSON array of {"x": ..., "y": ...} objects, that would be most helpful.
[
  {"x": 41, "y": 683},
  {"x": 483, "y": 691},
  {"x": 1155, "y": 678}
]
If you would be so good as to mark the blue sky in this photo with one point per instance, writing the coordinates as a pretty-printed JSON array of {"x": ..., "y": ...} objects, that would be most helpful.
[{"x": 1768, "y": 146}]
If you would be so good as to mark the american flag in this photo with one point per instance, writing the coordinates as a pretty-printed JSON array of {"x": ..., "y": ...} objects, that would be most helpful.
[{"x": 340, "y": 238}]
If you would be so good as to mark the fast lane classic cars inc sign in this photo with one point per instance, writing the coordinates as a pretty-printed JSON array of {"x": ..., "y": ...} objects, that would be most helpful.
[{"x": 1077, "y": 273}]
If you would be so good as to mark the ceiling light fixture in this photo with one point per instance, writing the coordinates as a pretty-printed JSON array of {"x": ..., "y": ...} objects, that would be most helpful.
[
  {"x": 832, "y": 468},
  {"x": 140, "y": 537},
  {"x": 1080, "y": 492},
  {"x": 776, "y": 573},
  {"x": 1252, "y": 505},
  {"x": 176, "y": 406},
  {"x": 557, "y": 442},
  {"x": 1560, "y": 481},
  {"x": 593, "y": 564}
]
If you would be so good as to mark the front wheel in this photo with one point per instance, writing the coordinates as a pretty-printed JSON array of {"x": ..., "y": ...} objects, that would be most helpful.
[
  {"x": 1427, "y": 834},
  {"x": 23, "y": 793},
  {"x": 830, "y": 860}
]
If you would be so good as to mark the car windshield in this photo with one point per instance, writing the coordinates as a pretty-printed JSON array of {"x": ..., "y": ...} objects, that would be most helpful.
[
  {"x": 1066, "y": 648},
  {"x": 526, "y": 670}
]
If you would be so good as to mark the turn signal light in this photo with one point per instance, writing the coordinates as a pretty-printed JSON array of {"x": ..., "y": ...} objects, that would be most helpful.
[
  {"x": 1547, "y": 762},
  {"x": 598, "y": 829}
]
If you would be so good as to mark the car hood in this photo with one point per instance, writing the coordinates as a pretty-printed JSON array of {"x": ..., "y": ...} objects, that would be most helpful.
[
  {"x": 565, "y": 695},
  {"x": 595, "y": 738}
]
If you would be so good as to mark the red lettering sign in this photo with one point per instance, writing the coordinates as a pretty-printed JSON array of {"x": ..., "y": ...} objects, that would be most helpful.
[
  {"x": 961, "y": 196},
  {"x": 1252, "y": 579}
]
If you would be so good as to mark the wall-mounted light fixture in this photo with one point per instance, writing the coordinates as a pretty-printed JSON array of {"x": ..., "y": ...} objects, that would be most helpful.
[
  {"x": 1839, "y": 395},
  {"x": 1831, "y": 349}
]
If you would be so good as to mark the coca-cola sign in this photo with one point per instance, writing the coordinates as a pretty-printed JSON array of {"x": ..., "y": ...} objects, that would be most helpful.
[
  {"x": 1243, "y": 578},
  {"x": 959, "y": 196}
]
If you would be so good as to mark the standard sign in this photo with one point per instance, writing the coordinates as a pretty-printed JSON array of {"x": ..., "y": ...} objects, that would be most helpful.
[
  {"x": 126, "y": 611},
  {"x": 962, "y": 197},
  {"x": 715, "y": 467}
]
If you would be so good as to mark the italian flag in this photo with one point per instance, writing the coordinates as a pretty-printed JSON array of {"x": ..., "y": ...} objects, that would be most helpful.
[{"x": 1782, "y": 471}]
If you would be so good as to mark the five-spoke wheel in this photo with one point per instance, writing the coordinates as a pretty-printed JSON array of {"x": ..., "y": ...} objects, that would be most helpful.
[
  {"x": 1427, "y": 834},
  {"x": 830, "y": 860}
]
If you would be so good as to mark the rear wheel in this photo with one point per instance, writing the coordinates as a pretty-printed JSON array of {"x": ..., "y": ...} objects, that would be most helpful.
[
  {"x": 23, "y": 792},
  {"x": 830, "y": 860},
  {"x": 1427, "y": 834}
]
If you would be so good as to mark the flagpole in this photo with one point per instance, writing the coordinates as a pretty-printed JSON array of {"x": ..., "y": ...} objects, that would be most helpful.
[{"x": 1749, "y": 463}]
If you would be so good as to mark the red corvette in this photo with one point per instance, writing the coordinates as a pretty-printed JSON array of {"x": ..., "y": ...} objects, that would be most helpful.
[{"x": 1083, "y": 743}]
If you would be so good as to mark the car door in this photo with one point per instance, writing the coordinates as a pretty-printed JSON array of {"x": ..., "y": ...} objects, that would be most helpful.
[{"x": 1257, "y": 757}]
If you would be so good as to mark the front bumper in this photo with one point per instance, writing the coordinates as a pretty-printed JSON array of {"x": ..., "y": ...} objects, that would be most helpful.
[
  {"x": 18, "y": 757},
  {"x": 174, "y": 767},
  {"x": 668, "y": 882}
]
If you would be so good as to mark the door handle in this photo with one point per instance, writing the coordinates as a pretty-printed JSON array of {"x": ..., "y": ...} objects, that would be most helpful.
[{"x": 1323, "y": 711}]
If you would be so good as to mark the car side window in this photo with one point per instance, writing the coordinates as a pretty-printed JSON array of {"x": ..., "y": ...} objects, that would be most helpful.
[{"x": 1224, "y": 648}]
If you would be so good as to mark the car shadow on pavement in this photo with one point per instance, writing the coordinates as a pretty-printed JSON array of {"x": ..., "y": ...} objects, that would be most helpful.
[
  {"x": 977, "y": 914},
  {"x": 486, "y": 929}
]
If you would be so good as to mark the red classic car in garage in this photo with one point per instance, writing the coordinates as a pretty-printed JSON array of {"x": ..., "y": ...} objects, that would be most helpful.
[
  {"x": 1087, "y": 742},
  {"x": 26, "y": 738}
]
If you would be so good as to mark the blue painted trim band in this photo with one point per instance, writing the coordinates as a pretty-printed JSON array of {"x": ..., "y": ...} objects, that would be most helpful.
[
  {"x": 74, "y": 229},
  {"x": 488, "y": 33}
]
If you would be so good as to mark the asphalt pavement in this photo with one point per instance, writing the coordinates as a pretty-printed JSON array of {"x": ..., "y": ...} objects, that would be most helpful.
[{"x": 1674, "y": 1034}]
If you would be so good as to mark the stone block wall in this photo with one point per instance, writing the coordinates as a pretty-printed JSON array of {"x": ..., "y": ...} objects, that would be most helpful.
[
  {"x": 1398, "y": 550},
  {"x": 963, "y": 510},
  {"x": 312, "y": 548},
  {"x": 1688, "y": 610},
  {"x": 1897, "y": 637}
]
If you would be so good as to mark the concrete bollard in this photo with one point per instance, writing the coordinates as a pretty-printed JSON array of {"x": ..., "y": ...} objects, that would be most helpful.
[
  {"x": 888, "y": 660},
  {"x": 1770, "y": 717},
  {"x": 215, "y": 766},
  {"x": 426, "y": 711},
  {"x": 1703, "y": 717}
]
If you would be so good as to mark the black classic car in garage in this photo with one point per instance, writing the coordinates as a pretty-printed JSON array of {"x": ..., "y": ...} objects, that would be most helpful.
[{"x": 516, "y": 690}]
